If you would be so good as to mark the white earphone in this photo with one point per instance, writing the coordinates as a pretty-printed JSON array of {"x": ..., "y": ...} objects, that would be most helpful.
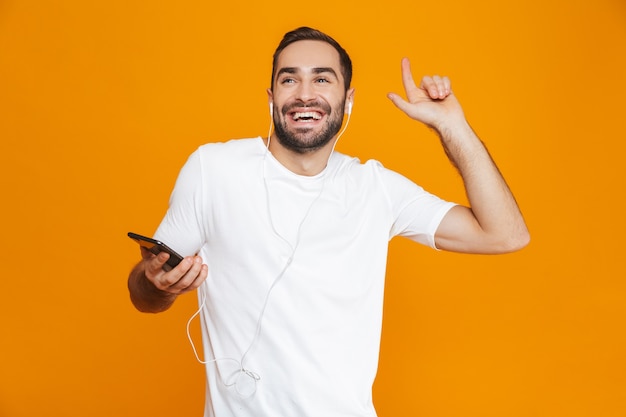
[{"x": 246, "y": 388}]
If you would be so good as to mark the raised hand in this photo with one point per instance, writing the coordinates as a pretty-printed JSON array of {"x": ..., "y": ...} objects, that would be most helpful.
[{"x": 432, "y": 102}]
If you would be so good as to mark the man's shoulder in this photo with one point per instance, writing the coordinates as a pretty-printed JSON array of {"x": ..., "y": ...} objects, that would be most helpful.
[
  {"x": 234, "y": 149},
  {"x": 371, "y": 170},
  {"x": 233, "y": 145},
  {"x": 354, "y": 164}
]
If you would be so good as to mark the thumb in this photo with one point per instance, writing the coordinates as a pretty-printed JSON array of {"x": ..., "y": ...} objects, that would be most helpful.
[{"x": 399, "y": 102}]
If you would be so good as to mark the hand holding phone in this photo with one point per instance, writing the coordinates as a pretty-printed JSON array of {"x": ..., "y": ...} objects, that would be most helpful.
[{"x": 154, "y": 246}]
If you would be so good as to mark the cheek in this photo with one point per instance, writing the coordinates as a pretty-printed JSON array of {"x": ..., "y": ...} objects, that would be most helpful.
[
  {"x": 277, "y": 117},
  {"x": 339, "y": 109},
  {"x": 337, "y": 101}
]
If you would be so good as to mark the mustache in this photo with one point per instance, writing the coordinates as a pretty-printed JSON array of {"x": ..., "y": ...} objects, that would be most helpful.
[{"x": 313, "y": 104}]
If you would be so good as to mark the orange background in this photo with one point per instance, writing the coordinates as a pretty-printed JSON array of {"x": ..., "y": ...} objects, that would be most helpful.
[{"x": 102, "y": 102}]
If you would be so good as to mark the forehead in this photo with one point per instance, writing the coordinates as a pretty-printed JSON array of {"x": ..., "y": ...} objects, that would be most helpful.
[{"x": 307, "y": 55}]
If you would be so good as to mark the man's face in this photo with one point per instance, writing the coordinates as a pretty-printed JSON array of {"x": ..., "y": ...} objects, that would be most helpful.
[{"x": 308, "y": 95}]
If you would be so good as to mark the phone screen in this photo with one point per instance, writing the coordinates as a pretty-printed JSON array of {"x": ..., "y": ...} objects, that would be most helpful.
[{"x": 157, "y": 247}]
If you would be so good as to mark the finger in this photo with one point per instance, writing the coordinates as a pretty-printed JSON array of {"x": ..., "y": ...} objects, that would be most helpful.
[
  {"x": 429, "y": 85},
  {"x": 155, "y": 262},
  {"x": 189, "y": 275},
  {"x": 196, "y": 281},
  {"x": 167, "y": 280},
  {"x": 145, "y": 253},
  {"x": 443, "y": 85},
  {"x": 447, "y": 84},
  {"x": 436, "y": 87},
  {"x": 158, "y": 276},
  {"x": 153, "y": 269},
  {"x": 413, "y": 92},
  {"x": 191, "y": 278},
  {"x": 407, "y": 75},
  {"x": 399, "y": 102}
]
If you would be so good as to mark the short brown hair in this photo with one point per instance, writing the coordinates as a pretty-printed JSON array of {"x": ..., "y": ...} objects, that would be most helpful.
[{"x": 308, "y": 34}]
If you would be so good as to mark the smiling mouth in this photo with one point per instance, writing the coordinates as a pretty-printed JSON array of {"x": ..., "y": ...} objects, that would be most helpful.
[{"x": 306, "y": 116}]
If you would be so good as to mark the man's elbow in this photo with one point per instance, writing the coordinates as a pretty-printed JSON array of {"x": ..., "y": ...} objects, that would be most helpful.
[{"x": 514, "y": 242}]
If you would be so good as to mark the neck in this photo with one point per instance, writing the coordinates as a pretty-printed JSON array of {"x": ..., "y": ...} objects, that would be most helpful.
[{"x": 308, "y": 163}]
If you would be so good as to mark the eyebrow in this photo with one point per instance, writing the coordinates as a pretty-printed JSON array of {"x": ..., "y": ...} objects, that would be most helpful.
[{"x": 316, "y": 70}]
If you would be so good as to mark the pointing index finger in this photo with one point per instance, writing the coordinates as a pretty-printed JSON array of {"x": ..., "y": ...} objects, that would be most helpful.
[{"x": 407, "y": 77}]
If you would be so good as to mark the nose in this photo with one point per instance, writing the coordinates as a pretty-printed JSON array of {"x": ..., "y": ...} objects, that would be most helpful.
[{"x": 305, "y": 92}]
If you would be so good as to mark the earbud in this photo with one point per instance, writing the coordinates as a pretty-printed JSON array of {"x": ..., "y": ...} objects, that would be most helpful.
[
  {"x": 349, "y": 107},
  {"x": 271, "y": 108}
]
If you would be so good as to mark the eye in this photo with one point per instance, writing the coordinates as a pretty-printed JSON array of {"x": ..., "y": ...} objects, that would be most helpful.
[
  {"x": 322, "y": 80},
  {"x": 287, "y": 81}
]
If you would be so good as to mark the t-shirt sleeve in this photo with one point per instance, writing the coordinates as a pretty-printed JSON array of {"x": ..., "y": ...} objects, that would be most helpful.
[
  {"x": 416, "y": 212},
  {"x": 182, "y": 227}
]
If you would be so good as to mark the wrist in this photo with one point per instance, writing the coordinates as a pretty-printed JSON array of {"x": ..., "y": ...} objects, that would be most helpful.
[
  {"x": 145, "y": 295},
  {"x": 452, "y": 129}
]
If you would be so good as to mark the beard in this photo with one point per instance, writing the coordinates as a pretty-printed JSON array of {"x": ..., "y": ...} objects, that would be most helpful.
[{"x": 303, "y": 140}]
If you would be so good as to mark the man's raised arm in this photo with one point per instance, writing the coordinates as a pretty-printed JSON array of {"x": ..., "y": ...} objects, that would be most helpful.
[{"x": 493, "y": 222}]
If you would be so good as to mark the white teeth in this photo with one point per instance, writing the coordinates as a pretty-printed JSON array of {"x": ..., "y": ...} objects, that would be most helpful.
[{"x": 307, "y": 115}]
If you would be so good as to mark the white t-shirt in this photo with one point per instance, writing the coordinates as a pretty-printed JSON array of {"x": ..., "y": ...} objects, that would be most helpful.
[{"x": 296, "y": 275}]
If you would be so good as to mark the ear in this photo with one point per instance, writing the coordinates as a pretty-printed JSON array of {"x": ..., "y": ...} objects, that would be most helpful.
[{"x": 349, "y": 101}]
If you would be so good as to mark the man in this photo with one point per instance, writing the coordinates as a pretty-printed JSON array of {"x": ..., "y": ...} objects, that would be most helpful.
[{"x": 292, "y": 239}]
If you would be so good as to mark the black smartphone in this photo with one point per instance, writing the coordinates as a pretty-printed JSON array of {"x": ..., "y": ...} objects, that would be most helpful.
[{"x": 157, "y": 247}]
